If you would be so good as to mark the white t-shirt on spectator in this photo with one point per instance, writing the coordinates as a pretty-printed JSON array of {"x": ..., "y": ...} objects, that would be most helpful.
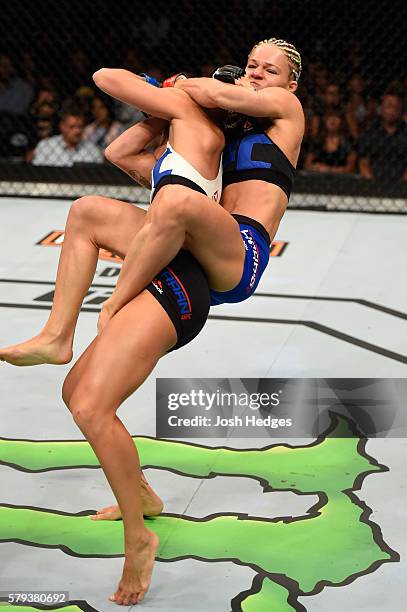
[{"x": 54, "y": 152}]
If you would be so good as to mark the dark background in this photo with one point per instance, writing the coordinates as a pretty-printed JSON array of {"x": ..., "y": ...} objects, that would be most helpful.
[{"x": 182, "y": 35}]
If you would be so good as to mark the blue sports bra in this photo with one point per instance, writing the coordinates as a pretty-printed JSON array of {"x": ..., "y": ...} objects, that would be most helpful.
[{"x": 255, "y": 156}]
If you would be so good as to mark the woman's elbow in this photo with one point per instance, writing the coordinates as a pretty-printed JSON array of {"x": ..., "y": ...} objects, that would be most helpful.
[
  {"x": 105, "y": 76},
  {"x": 98, "y": 76},
  {"x": 112, "y": 154}
]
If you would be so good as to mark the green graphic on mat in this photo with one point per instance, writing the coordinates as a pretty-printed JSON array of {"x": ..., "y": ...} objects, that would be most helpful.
[{"x": 331, "y": 545}]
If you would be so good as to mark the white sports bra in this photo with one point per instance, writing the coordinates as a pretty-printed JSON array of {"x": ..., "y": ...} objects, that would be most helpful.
[{"x": 172, "y": 169}]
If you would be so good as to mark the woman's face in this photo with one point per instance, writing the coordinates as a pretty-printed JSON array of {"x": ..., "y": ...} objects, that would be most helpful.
[
  {"x": 357, "y": 85},
  {"x": 267, "y": 66},
  {"x": 333, "y": 123},
  {"x": 99, "y": 110}
]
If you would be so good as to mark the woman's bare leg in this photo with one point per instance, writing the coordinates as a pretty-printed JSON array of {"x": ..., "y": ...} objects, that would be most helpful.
[
  {"x": 124, "y": 355},
  {"x": 152, "y": 504},
  {"x": 93, "y": 222},
  {"x": 180, "y": 217}
]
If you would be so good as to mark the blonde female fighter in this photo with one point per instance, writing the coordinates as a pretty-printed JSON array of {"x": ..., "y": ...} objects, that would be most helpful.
[{"x": 232, "y": 241}]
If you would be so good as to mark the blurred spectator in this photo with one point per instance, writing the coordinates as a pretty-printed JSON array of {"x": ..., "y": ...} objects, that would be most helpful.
[
  {"x": 104, "y": 129},
  {"x": 308, "y": 105},
  {"x": 317, "y": 77},
  {"x": 15, "y": 93},
  {"x": 17, "y": 136},
  {"x": 28, "y": 68},
  {"x": 79, "y": 70},
  {"x": 128, "y": 115},
  {"x": 82, "y": 100},
  {"x": 333, "y": 150},
  {"x": 383, "y": 147},
  {"x": 46, "y": 96},
  {"x": 357, "y": 58},
  {"x": 44, "y": 113},
  {"x": 328, "y": 100},
  {"x": 68, "y": 147},
  {"x": 360, "y": 108},
  {"x": 132, "y": 61}
]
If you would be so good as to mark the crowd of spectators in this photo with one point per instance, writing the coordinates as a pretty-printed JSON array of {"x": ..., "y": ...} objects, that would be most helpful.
[{"x": 349, "y": 130}]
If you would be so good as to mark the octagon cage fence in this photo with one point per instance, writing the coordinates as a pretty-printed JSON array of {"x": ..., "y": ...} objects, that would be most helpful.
[{"x": 352, "y": 87}]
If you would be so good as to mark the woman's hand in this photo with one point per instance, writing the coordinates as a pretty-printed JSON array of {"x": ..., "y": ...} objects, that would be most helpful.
[{"x": 244, "y": 82}]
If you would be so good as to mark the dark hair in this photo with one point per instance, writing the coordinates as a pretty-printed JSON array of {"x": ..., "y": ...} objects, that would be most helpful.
[
  {"x": 70, "y": 109},
  {"x": 395, "y": 89},
  {"x": 343, "y": 130},
  {"x": 333, "y": 82},
  {"x": 108, "y": 103}
]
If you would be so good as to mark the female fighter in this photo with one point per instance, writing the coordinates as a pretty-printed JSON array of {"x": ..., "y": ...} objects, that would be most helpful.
[
  {"x": 167, "y": 314},
  {"x": 257, "y": 179},
  {"x": 232, "y": 241},
  {"x": 260, "y": 166}
]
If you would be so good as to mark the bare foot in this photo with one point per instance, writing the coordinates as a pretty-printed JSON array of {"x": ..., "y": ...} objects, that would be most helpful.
[
  {"x": 110, "y": 513},
  {"x": 152, "y": 505},
  {"x": 138, "y": 567},
  {"x": 43, "y": 348}
]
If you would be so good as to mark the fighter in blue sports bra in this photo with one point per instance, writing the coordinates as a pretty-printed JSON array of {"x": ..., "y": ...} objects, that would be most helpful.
[
  {"x": 232, "y": 242},
  {"x": 253, "y": 156}
]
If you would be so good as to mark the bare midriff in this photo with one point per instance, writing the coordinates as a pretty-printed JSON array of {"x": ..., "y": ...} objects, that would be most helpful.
[{"x": 264, "y": 202}]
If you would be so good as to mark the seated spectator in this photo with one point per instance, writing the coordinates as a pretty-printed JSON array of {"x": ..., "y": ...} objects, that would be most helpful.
[
  {"x": 68, "y": 147},
  {"x": 333, "y": 150},
  {"x": 360, "y": 109},
  {"x": 17, "y": 136},
  {"x": 308, "y": 105},
  {"x": 44, "y": 113},
  {"x": 82, "y": 101},
  {"x": 79, "y": 71},
  {"x": 15, "y": 93},
  {"x": 328, "y": 100},
  {"x": 383, "y": 146},
  {"x": 317, "y": 74},
  {"x": 104, "y": 129},
  {"x": 129, "y": 115}
]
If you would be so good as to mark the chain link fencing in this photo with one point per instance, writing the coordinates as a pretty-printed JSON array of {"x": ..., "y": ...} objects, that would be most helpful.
[{"x": 353, "y": 89}]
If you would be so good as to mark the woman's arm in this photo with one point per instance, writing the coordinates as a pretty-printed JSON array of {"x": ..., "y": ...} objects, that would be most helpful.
[
  {"x": 127, "y": 151},
  {"x": 309, "y": 164},
  {"x": 273, "y": 102},
  {"x": 123, "y": 85},
  {"x": 365, "y": 168},
  {"x": 312, "y": 166},
  {"x": 349, "y": 167}
]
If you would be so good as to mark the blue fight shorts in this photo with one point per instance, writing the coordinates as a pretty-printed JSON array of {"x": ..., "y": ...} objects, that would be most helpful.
[{"x": 257, "y": 244}]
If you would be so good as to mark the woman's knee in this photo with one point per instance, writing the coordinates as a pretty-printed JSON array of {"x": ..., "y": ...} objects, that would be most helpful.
[
  {"x": 87, "y": 412},
  {"x": 173, "y": 206},
  {"x": 86, "y": 209},
  {"x": 68, "y": 388}
]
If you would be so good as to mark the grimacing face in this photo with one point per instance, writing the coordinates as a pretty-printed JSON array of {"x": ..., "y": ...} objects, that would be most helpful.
[{"x": 268, "y": 66}]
